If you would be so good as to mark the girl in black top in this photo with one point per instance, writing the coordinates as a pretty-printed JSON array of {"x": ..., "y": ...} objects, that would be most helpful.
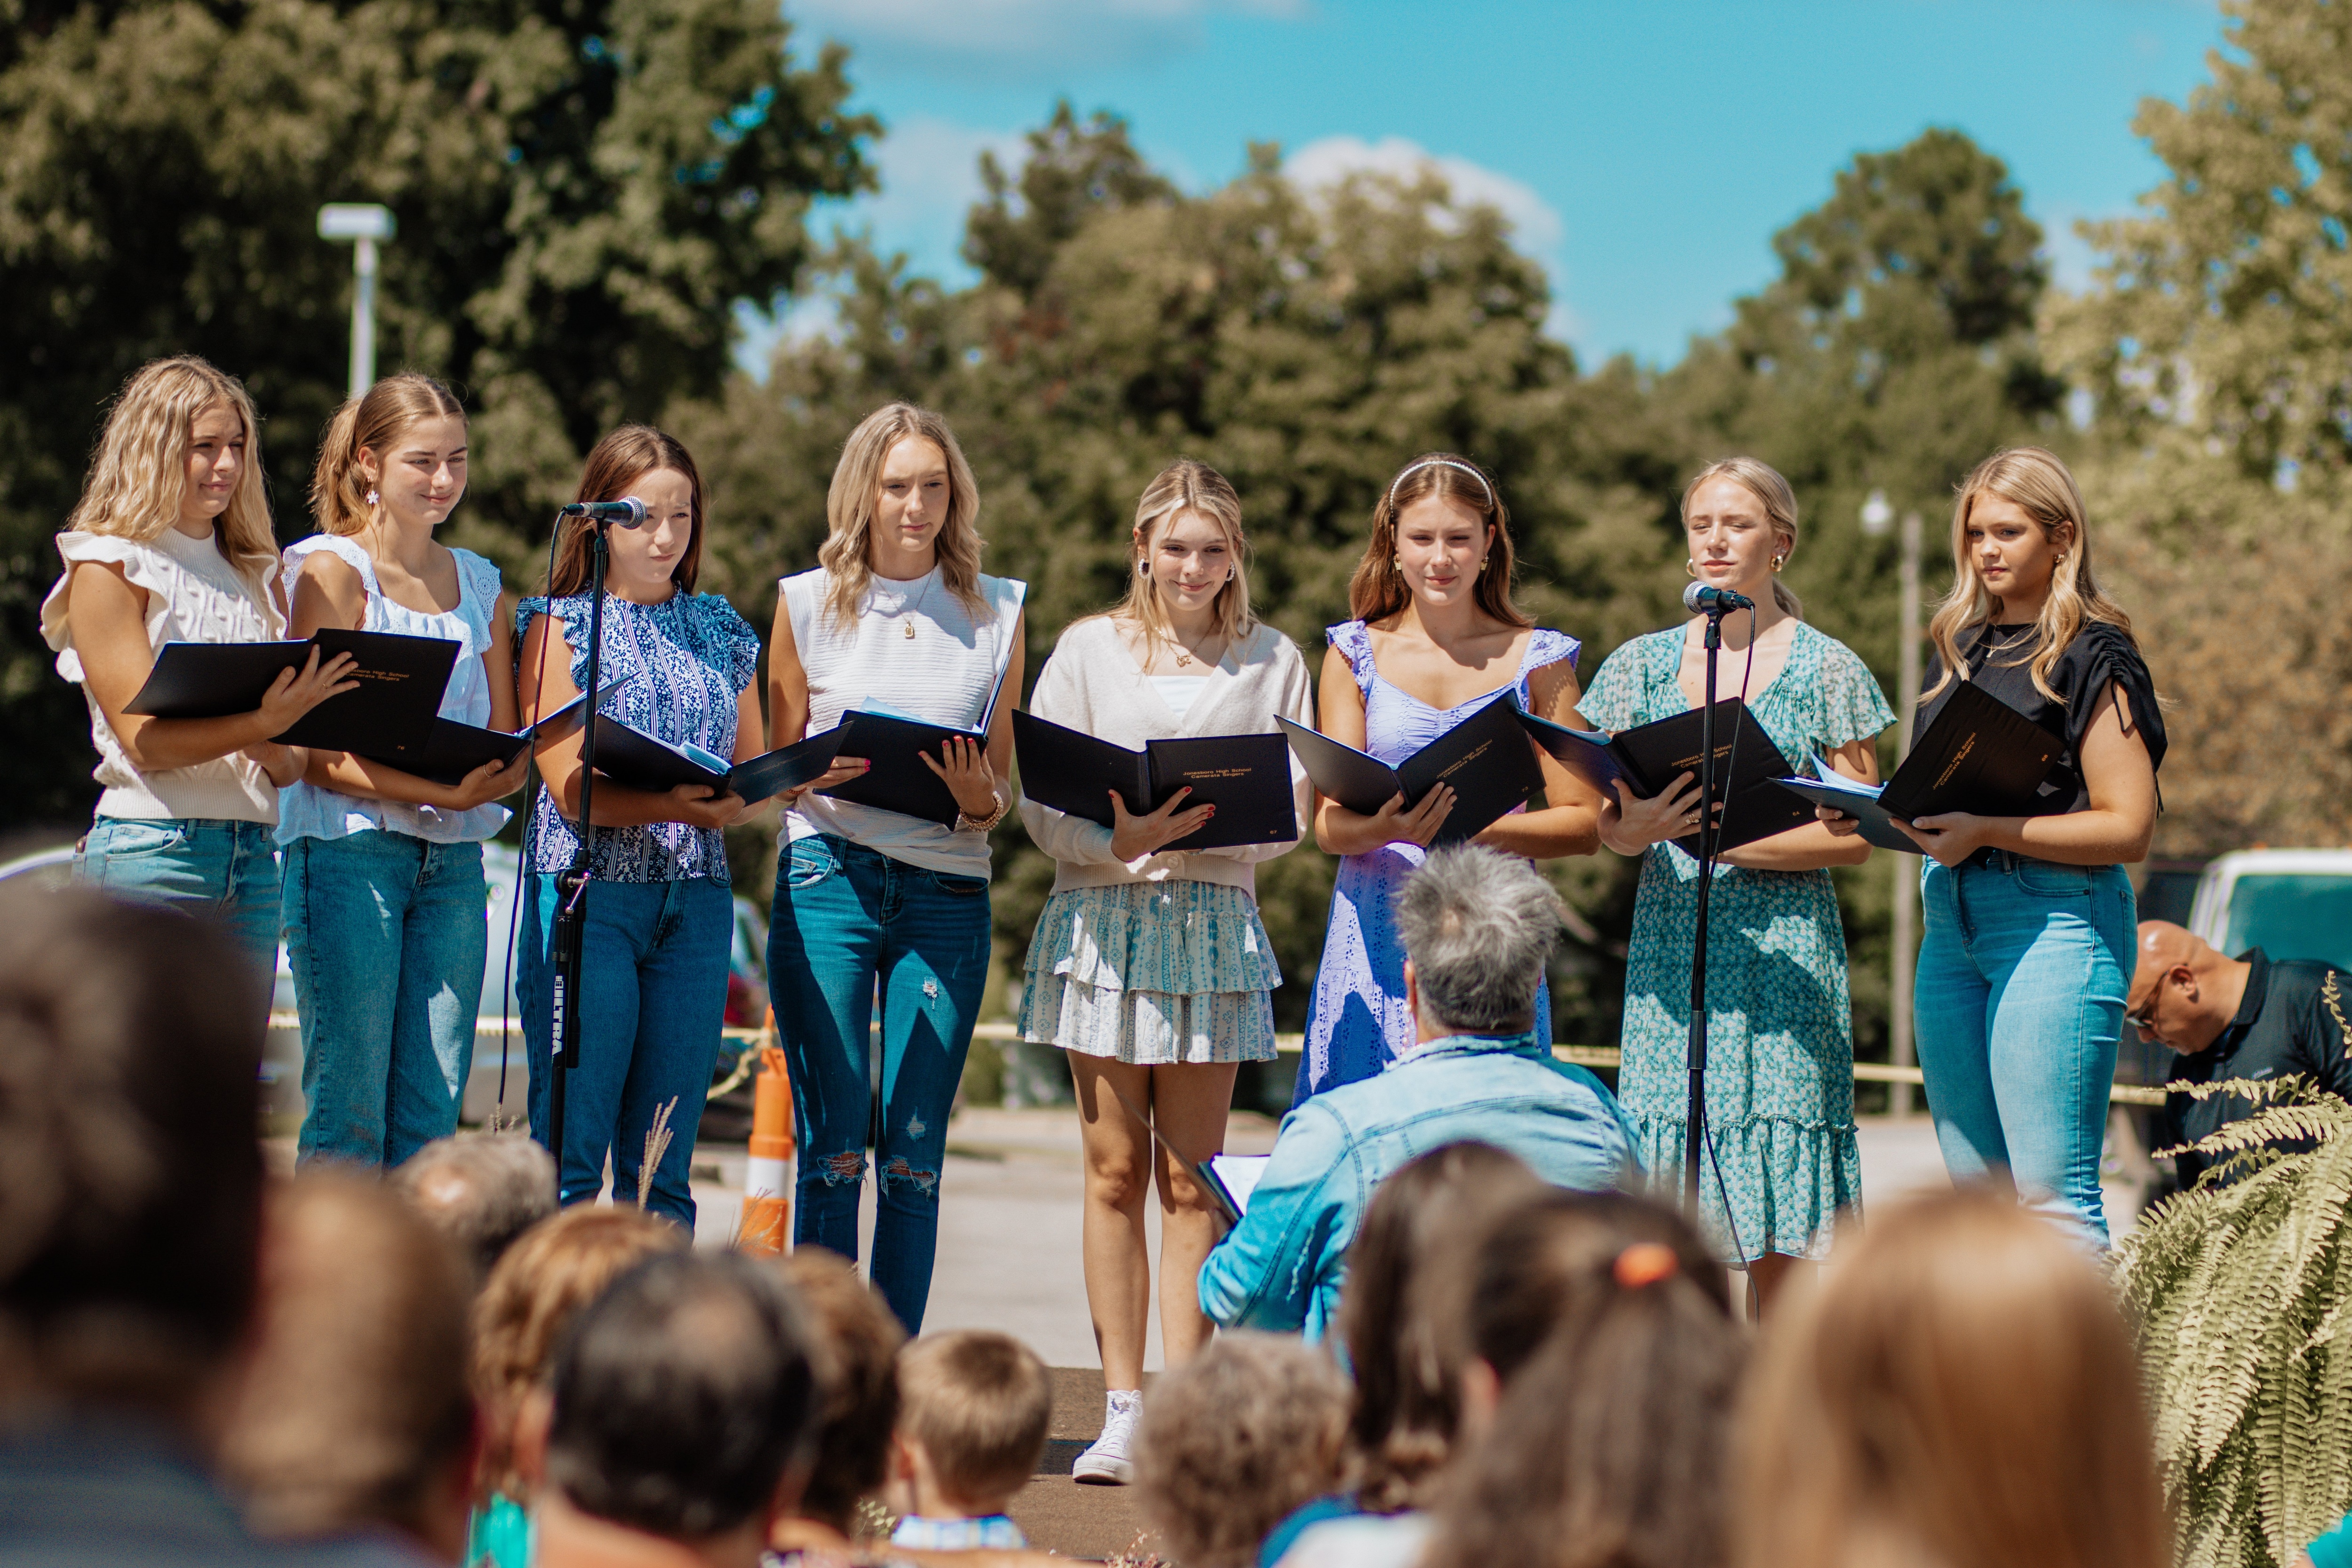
[{"x": 2029, "y": 919}]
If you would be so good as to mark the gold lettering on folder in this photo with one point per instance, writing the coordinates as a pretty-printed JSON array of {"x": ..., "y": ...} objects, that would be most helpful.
[
  {"x": 1958, "y": 758},
  {"x": 1465, "y": 762}
]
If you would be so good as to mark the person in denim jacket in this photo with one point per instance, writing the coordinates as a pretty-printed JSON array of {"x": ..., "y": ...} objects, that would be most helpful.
[{"x": 1478, "y": 926}]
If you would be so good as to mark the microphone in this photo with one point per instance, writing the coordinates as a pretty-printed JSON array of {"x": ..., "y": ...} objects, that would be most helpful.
[
  {"x": 1700, "y": 598},
  {"x": 628, "y": 513}
]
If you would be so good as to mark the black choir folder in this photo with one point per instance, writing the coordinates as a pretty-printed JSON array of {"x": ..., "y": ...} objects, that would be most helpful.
[
  {"x": 400, "y": 679},
  {"x": 1650, "y": 757},
  {"x": 896, "y": 743},
  {"x": 1980, "y": 756},
  {"x": 632, "y": 757},
  {"x": 1486, "y": 758},
  {"x": 452, "y": 749},
  {"x": 1245, "y": 777}
]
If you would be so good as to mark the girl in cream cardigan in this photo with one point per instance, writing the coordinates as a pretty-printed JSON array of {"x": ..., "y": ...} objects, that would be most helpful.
[{"x": 1151, "y": 970}]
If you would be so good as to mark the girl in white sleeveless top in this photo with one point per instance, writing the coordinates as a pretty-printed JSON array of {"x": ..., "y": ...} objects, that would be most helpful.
[
  {"x": 899, "y": 617},
  {"x": 171, "y": 543},
  {"x": 384, "y": 897}
]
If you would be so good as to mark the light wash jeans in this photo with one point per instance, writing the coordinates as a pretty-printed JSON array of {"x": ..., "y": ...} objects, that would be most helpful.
[
  {"x": 2018, "y": 1007},
  {"x": 653, "y": 998},
  {"x": 848, "y": 920},
  {"x": 224, "y": 868},
  {"x": 387, "y": 936}
]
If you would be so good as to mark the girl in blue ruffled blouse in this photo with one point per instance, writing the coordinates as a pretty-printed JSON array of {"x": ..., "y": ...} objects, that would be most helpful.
[{"x": 660, "y": 908}]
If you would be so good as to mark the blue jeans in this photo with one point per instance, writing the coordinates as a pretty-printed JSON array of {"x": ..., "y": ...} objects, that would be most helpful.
[
  {"x": 387, "y": 936},
  {"x": 848, "y": 921},
  {"x": 2019, "y": 1005},
  {"x": 224, "y": 868},
  {"x": 653, "y": 998}
]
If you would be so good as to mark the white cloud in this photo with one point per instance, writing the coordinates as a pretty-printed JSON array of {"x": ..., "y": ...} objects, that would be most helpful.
[
  {"x": 1051, "y": 36},
  {"x": 1332, "y": 159}
]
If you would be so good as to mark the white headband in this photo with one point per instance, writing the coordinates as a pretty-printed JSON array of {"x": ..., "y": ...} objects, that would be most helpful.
[{"x": 1412, "y": 468}]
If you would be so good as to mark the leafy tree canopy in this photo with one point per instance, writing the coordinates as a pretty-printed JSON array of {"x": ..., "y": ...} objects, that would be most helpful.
[{"x": 583, "y": 190}]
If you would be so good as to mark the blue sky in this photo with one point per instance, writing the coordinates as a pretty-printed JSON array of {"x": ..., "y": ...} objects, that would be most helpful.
[{"x": 1646, "y": 153}]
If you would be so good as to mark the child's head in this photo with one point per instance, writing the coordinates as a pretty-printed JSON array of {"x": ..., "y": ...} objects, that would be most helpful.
[
  {"x": 1237, "y": 1438},
  {"x": 535, "y": 1290},
  {"x": 974, "y": 1410},
  {"x": 1402, "y": 1310},
  {"x": 1614, "y": 1432},
  {"x": 181, "y": 444},
  {"x": 859, "y": 1339}
]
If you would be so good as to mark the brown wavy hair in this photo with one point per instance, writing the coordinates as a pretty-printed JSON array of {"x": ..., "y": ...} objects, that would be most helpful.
[
  {"x": 1400, "y": 1310},
  {"x": 850, "y": 505},
  {"x": 138, "y": 473},
  {"x": 2039, "y": 483},
  {"x": 1378, "y": 590},
  {"x": 623, "y": 458},
  {"x": 339, "y": 502}
]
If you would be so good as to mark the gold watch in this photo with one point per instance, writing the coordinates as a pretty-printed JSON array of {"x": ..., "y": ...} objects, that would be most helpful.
[{"x": 967, "y": 823}]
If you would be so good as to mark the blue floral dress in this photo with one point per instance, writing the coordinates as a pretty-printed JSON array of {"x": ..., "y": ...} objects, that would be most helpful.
[
  {"x": 1357, "y": 1020},
  {"x": 1780, "y": 1074}
]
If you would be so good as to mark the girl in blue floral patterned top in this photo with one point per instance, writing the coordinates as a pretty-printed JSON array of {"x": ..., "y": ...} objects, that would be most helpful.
[
  {"x": 1780, "y": 1075},
  {"x": 660, "y": 908}
]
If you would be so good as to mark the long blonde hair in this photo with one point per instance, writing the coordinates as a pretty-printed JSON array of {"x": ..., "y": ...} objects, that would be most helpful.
[
  {"x": 138, "y": 475},
  {"x": 2037, "y": 482},
  {"x": 1185, "y": 486},
  {"x": 339, "y": 502},
  {"x": 1378, "y": 589},
  {"x": 1778, "y": 500},
  {"x": 850, "y": 507},
  {"x": 1960, "y": 1390}
]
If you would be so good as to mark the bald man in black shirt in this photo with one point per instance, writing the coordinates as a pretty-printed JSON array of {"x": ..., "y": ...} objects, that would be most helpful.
[{"x": 2235, "y": 1018}]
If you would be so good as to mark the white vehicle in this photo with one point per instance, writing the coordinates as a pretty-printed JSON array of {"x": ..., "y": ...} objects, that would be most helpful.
[{"x": 2291, "y": 903}]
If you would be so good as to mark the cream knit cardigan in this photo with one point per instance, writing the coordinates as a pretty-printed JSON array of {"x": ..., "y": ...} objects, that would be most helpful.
[{"x": 1092, "y": 683}]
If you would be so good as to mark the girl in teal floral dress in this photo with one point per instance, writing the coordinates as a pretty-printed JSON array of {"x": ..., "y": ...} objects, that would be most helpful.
[{"x": 1779, "y": 1078}]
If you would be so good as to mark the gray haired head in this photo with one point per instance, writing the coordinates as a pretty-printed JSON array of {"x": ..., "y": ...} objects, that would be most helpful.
[{"x": 1478, "y": 925}]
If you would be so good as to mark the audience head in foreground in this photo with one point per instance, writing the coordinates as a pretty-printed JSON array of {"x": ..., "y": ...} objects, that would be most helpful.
[
  {"x": 1402, "y": 1311},
  {"x": 353, "y": 1415},
  {"x": 1477, "y": 927},
  {"x": 1608, "y": 1370},
  {"x": 1960, "y": 1390},
  {"x": 685, "y": 1406},
  {"x": 974, "y": 1408},
  {"x": 130, "y": 1165},
  {"x": 525, "y": 1308},
  {"x": 1236, "y": 1440},
  {"x": 860, "y": 1338},
  {"x": 481, "y": 1190}
]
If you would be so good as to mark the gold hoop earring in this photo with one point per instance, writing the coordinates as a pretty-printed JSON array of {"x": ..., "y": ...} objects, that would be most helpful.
[
  {"x": 1776, "y": 562},
  {"x": 1690, "y": 566}
]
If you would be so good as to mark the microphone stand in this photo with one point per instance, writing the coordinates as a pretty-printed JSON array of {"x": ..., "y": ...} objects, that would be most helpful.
[
  {"x": 1709, "y": 834},
  {"x": 572, "y": 884}
]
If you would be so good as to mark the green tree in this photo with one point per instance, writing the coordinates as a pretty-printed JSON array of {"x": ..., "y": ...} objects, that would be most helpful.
[
  {"x": 584, "y": 191},
  {"x": 2215, "y": 342}
]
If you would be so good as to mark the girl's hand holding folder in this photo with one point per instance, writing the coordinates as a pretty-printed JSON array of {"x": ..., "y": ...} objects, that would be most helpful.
[{"x": 1132, "y": 837}]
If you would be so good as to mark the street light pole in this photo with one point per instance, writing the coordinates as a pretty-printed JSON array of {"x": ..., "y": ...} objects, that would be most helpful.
[
  {"x": 363, "y": 224},
  {"x": 1877, "y": 517}
]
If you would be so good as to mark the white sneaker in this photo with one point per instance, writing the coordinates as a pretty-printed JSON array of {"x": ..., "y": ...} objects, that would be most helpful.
[{"x": 1110, "y": 1462}]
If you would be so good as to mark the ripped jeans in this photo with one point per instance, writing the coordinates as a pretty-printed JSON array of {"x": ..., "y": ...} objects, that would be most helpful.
[{"x": 848, "y": 922}]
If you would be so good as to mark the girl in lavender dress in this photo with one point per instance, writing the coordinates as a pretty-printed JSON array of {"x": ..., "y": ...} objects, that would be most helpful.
[{"x": 1436, "y": 637}]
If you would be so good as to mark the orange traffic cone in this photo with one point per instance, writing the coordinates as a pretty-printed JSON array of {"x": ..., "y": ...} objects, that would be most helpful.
[{"x": 768, "y": 1190}]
